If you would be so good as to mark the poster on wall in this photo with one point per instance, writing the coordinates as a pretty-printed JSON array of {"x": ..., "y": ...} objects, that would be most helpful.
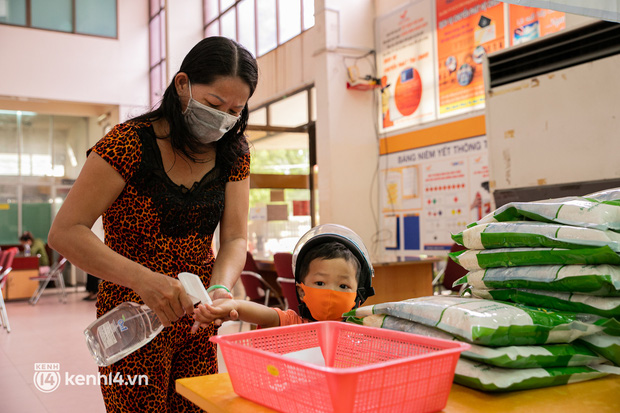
[
  {"x": 529, "y": 23},
  {"x": 405, "y": 65},
  {"x": 431, "y": 192},
  {"x": 466, "y": 31}
]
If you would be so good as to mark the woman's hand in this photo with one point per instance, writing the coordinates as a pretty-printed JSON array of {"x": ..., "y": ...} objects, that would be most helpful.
[{"x": 165, "y": 295}]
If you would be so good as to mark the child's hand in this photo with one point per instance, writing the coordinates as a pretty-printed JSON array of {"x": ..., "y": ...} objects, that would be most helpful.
[{"x": 221, "y": 310}]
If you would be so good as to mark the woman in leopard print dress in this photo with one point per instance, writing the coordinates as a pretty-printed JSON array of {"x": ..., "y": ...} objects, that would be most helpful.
[{"x": 163, "y": 182}]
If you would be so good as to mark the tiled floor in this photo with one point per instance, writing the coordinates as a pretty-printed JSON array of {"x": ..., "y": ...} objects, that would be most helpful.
[{"x": 51, "y": 332}]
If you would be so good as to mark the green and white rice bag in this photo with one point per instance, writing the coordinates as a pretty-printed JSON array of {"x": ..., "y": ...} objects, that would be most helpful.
[
  {"x": 600, "y": 280},
  {"x": 604, "y": 344},
  {"x": 535, "y": 234},
  {"x": 562, "y": 301},
  {"x": 600, "y": 210},
  {"x": 473, "y": 260},
  {"x": 490, "y": 323},
  {"x": 483, "y": 377},
  {"x": 514, "y": 357}
]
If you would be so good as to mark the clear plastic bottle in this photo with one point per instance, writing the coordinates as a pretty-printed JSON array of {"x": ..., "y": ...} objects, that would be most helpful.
[
  {"x": 26, "y": 250},
  {"x": 121, "y": 331}
]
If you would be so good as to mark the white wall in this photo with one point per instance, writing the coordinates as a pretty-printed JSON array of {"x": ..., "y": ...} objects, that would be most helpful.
[
  {"x": 42, "y": 65},
  {"x": 347, "y": 148}
]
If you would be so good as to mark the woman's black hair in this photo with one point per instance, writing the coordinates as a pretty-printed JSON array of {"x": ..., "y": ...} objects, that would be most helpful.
[{"x": 210, "y": 59}]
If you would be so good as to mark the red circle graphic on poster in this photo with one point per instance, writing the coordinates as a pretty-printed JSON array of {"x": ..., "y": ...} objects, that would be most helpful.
[{"x": 408, "y": 91}]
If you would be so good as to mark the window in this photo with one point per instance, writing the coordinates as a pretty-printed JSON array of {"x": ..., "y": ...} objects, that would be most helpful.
[
  {"x": 259, "y": 25},
  {"x": 157, "y": 39},
  {"x": 94, "y": 17},
  {"x": 283, "y": 190},
  {"x": 40, "y": 156}
]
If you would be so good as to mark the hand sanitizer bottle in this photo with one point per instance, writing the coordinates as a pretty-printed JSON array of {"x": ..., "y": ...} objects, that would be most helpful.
[
  {"x": 121, "y": 331},
  {"x": 129, "y": 326}
]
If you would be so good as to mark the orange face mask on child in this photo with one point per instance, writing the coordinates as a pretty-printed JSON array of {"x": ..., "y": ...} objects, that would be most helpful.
[{"x": 325, "y": 304}]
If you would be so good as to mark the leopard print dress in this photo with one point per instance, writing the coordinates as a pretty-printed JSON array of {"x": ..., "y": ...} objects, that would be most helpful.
[{"x": 169, "y": 229}]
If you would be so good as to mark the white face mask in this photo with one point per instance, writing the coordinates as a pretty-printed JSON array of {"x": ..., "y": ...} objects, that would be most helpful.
[{"x": 206, "y": 123}]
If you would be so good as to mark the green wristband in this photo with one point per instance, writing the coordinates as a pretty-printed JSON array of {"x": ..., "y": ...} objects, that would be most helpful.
[{"x": 214, "y": 287}]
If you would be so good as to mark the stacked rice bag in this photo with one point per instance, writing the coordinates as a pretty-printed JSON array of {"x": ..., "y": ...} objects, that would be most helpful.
[
  {"x": 546, "y": 280},
  {"x": 560, "y": 254},
  {"x": 514, "y": 347}
]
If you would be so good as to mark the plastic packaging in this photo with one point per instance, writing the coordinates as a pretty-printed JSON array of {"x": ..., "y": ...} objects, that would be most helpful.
[
  {"x": 473, "y": 260},
  {"x": 600, "y": 210},
  {"x": 491, "y": 323},
  {"x": 512, "y": 357},
  {"x": 495, "y": 379},
  {"x": 129, "y": 326},
  {"x": 561, "y": 301},
  {"x": 535, "y": 234},
  {"x": 598, "y": 280}
]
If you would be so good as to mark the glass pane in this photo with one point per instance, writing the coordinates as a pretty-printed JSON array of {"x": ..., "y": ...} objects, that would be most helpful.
[
  {"x": 154, "y": 9},
  {"x": 61, "y": 193},
  {"x": 154, "y": 37},
  {"x": 52, "y": 14},
  {"x": 69, "y": 145},
  {"x": 162, "y": 33},
  {"x": 228, "y": 24},
  {"x": 290, "y": 19},
  {"x": 247, "y": 32},
  {"x": 164, "y": 80},
  {"x": 156, "y": 92},
  {"x": 283, "y": 153},
  {"x": 37, "y": 210},
  {"x": 96, "y": 17},
  {"x": 258, "y": 117},
  {"x": 280, "y": 154},
  {"x": 9, "y": 145},
  {"x": 8, "y": 214},
  {"x": 308, "y": 13},
  {"x": 266, "y": 26},
  {"x": 213, "y": 29},
  {"x": 13, "y": 12},
  {"x": 224, "y": 4},
  {"x": 36, "y": 158},
  {"x": 292, "y": 111},
  {"x": 211, "y": 10}
]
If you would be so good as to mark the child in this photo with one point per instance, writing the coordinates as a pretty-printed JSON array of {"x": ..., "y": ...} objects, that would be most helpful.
[{"x": 333, "y": 275}]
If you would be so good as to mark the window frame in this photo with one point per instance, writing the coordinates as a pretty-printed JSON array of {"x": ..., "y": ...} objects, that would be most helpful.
[
  {"x": 28, "y": 23},
  {"x": 221, "y": 12}
]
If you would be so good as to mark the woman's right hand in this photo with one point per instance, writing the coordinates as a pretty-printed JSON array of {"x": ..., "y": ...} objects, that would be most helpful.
[{"x": 165, "y": 295}]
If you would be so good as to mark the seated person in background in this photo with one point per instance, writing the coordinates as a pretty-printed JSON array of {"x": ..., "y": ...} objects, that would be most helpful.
[
  {"x": 333, "y": 275},
  {"x": 36, "y": 247}
]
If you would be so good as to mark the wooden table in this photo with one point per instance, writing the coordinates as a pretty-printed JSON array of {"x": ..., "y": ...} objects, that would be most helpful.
[
  {"x": 18, "y": 284},
  {"x": 215, "y": 394},
  {"x": 400, "y": 280}
]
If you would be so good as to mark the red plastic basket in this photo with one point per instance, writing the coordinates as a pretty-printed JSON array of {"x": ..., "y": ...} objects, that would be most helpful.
[{"x": 367, "y": 369}]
